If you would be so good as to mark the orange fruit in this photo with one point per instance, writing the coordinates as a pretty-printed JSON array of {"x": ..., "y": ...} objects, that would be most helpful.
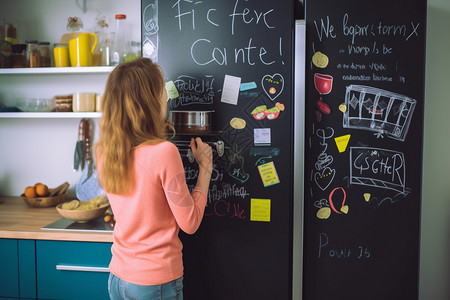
[
  {"x": 41, "y": 190},
  {"x": 30, "y": 192}
]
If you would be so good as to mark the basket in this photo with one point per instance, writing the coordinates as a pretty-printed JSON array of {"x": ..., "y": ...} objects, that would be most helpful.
[
  {"x": 44, "y": 201},
  {"x": 57, "y": 196}
]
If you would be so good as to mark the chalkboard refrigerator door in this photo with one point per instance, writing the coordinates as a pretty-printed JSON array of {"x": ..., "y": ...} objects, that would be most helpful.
[
  {"x": 234, "y": 58},
  {"x": 364, "y": 130}
]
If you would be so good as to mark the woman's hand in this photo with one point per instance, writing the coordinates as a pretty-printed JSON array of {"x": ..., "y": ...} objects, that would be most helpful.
[{"x": 202, "y": 153}]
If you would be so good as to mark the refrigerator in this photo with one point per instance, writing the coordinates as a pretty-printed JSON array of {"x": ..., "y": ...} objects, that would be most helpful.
[
  {"x": 365, "y": 67},
  {"x": 239, "y": 60}
]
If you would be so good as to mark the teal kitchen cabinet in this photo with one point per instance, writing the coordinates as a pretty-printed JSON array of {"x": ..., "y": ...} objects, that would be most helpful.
[
  {"x": 18, "y": 269},
  {"x": 9, "y": 273},
  {"x": 72, "y": 270}
]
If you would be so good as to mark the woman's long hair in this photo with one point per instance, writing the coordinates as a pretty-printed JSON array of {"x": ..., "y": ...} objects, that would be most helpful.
[{"x": 132, "y": 115}]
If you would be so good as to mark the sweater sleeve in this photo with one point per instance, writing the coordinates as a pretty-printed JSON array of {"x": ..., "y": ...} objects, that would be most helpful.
[{"x": 187, "y": 208}]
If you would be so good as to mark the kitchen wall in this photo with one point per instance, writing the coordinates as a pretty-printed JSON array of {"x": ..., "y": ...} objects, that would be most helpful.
[
  {"x": 42, "y": 150},
  {"x": 34, "y": 150}
]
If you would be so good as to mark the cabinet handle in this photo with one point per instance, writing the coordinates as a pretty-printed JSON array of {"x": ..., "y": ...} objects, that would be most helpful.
[{"x": 82, "y": 268}]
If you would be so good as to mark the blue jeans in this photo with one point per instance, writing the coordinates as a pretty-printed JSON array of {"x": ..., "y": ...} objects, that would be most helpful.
[{"x": 120, "y": 289}]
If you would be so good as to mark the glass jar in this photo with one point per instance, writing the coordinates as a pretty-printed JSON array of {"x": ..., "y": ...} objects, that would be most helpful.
[
  {"x": 19, "y": 56},
  {"x": 136, "y": 48},
  {"x": 105, "y": 51},
  {"x": 33, "y": 55},
  {"x": 121, "y": 45},
  {"x": 61, "y": 55},
  {"x": 5, "y": 54},
  {"x": 104, "y": 43},
  {"x": 2, "y": 31},
  {"x": 44, "y": 54},
  {"x": 10, "y": 28}
]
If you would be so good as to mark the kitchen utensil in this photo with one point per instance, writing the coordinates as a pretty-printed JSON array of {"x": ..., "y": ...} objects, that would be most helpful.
[
  {"x": 88, "y": 186},
  {"x": 81, "y": 49},
  {"x": 85, "y": 215},
  {"x": 195, "y": 122},
  {"x": 87, "y": 143},
  {"x": 56, "y": 196},
  {"x": 78, "y": 160}
]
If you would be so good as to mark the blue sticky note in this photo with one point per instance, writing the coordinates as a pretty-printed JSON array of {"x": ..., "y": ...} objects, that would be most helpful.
[{"x": 247, "y": 86}]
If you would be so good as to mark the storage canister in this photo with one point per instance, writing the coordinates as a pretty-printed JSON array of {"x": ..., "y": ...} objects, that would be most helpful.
[
  {"x": 19, "y": 57},
  {"x": 63, "y": 103},
  {"x": 33, "y": 55},
  {"x": 5, "y": 54},
  {"x": 83, "y": 102},
  {"x": 44, "y": 53},
  {"x": 98, "y": 102},
  {"x": 11, "y": 32},
  {"x": 61, "y": 55}
]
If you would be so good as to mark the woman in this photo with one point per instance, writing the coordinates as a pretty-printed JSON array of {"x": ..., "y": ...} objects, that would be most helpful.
[{"x": 143, "y": 176}]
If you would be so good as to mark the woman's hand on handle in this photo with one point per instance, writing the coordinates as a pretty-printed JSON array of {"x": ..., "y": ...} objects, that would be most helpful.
[{"x": 203, "y": 155}]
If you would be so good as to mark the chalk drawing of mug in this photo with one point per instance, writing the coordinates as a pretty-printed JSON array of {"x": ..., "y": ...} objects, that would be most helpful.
[{"x": 323, "y": 83}]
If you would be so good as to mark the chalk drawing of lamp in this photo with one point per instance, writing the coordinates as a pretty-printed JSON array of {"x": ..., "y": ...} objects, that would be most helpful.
[{"x": 377, "y": 110}]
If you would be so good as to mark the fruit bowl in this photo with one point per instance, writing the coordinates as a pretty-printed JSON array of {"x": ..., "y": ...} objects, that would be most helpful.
[
  {"x": 55, "y": 197},
  {"x": 44, "y": 201},
  {"x": 82, "y": 215}
]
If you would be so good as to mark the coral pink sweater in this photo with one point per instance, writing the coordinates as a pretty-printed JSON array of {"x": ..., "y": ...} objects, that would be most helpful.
[{"x": 146, "y": 248}]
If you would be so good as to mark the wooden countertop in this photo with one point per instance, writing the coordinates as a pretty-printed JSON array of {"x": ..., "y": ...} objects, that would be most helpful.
[{"x": 19, "y": 221}]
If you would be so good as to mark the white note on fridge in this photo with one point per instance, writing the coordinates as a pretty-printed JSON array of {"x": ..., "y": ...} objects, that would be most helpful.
[{"x": 230, "y": 90}]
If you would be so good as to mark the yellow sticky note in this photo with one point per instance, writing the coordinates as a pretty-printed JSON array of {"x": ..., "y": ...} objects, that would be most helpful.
[
  {"x": 260, "y": 210},
  {"x": 172, "y": 91},
  {"x": 342, "y": 142},
  {"x": 268, "y": 174}
]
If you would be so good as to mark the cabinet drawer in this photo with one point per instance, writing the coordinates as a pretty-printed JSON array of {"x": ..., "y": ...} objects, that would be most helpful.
[{"x": 72, "y": 270}]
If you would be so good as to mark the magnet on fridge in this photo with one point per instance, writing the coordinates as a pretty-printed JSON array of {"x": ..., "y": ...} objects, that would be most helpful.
[
  {"x": 268, "y": 174},
  {"x": 261, "y": 136},
  {"x": 230, "y": 90},
  {"x": 260, "y": 210},
  {"x": 172, "y": 92}
]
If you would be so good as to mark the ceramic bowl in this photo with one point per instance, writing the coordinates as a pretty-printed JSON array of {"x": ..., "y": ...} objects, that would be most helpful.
[{"x": 85, "y": 215}]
